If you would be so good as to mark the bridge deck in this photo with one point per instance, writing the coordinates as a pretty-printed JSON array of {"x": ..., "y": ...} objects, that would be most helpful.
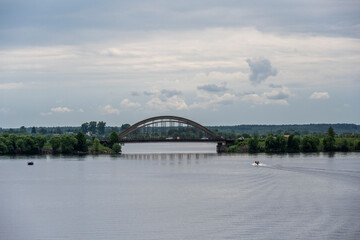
[
  {"x": 226, "y": 142},
  {"x": 170, "y": 140}
]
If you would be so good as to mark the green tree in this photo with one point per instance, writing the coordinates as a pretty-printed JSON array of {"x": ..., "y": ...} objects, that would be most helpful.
[
  {"x": 125, "y": 126},
  {"x": 68, "y": 143},
  {"x": 96, "y": 145},
  {"x": 81, "y": 145},
  {"x": 40, "y": 140},
  {"x": 275, "y": 144},
  {"x": 47, "y": 148},
  {"x": 92, "y": 127},
  {"x": 3, "y": 147},
  {"x": 293, "y": 144},
  {"x": 27, "y": 145},
  {"x": 85, "y": 127},
  {"x": 10, "y": 142},
  {"x": 33, "y": 130},
  {"x": 253, "y": 145},
  {"x": 116, "y": 148},
  {"x": 22, "y": 130},
  {"x": 58, "y": 130},
  {"x": 55, "y": 142},
  {"x": 43, "y": 131},
  {"x": 310, "y": 144},
  {"x": 270, "y": 144},
  {"x": 101, "y": 127},
  {"x": 329, "y": 140},
  {"x": 344, "y": 145},
  {"x": 281, "y": 143},
  {"x": 331, "y": 132},
  {"x": 357, "y": 146},
  {"x": 115, "y": 129},
  {"x": 114, "y": 138}
]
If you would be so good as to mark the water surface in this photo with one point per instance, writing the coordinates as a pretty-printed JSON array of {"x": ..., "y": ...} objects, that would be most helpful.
[{"x": 181, "y": 196}]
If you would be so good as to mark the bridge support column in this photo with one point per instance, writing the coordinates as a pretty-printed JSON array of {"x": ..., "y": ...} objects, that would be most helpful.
[{"x": 220, "y": 147}]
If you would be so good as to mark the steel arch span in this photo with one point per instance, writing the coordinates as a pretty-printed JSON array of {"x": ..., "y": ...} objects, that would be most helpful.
[{"x": 160, "y": 123}]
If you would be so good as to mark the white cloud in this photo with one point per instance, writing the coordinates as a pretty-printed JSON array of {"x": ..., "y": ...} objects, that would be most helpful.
[
  {"x": 181, "y": 60},
  {"x": 127, "y": 103},
  {"x": 320, "y": 95},
  {"x": 276, "y": 96},
  {"x": 8, "y": 86},
  {"x": 210, "y": 55},
  {"x": 108, "y": 109},
  {"x": 56, "y": 110},
  {"x": 174, "y": 102},
  {"x": 213, "y": 100},
  {"x": 216, "y": 75},
  {"x": 60, "y": 109}
]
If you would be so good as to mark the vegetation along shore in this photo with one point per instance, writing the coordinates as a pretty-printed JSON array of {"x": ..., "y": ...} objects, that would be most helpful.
[{"x": 97, "y": 138}]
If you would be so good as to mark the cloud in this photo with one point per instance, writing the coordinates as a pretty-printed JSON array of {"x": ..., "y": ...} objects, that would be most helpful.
[
  {"x": 277, "y": 96},
  {"x": 174, "y": 102},
  {"x": 108, "y": 109},
  {"x": 60, "y": 109},
  {"x": 8, "y": 86},
  {"x": 260, "y": 69},
  {"x": 213, "y": 88},
  {"x": 127, "y": 103},
  {"x": 274, "y": 86},
  {"x": 213, "y": 101},
  {"x": 216, "y": 76},
  {"x": 147, "y": 93},
  {"x": 169, "y": 93},
  {"x": 320, "y": 95},
  {"x": 135, "y": 94},
  {"x": 57, "y": 110}
]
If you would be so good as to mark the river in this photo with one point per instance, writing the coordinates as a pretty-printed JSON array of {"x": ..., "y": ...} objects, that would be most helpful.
[{"x": 191, "y": 193}]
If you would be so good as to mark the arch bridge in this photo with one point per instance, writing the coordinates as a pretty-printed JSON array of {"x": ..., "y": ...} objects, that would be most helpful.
[{"x": 170, "y": 129}]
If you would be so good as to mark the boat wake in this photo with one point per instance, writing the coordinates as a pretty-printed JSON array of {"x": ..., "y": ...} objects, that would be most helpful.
[{"x": 259, "y": 165}]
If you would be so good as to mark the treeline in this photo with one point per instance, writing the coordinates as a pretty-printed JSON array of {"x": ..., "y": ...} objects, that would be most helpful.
[
  {"x": 291, "y": 129},
  {"x": 261, "y": 131},
  {"x": 65, "y": 144},
  {"x": 296, "y": 144},
  {"x": 90, "y": 128}
]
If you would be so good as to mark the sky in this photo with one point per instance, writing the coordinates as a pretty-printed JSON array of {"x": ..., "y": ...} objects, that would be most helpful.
[{"x": 216, "y": 62}]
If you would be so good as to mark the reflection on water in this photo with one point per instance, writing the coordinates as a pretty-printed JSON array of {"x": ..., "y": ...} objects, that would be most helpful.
[
  {"x": 180, "y": 196},
  {"x": 168, "y": 156},
  {"x": 169, "y": 147}
]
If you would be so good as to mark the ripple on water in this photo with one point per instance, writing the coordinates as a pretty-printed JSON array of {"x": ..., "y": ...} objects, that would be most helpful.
[{"x": 181, "y": 196}]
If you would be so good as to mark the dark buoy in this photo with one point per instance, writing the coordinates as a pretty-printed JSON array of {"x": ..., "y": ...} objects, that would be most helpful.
[{"x": 30, "y": 163}]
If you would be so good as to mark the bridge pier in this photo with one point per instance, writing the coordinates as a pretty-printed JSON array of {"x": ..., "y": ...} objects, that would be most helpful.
[{"x": 221, "y": 147}]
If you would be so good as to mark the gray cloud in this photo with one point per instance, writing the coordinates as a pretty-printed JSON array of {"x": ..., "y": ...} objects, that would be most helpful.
[
  {"x": 147, "y": 93},
  {"x": 135, "y": 94},
  {"x": 213, "y": 88},
  {"x": 274, "y": 86},
  {"x": 169, "y": 93},
  {"x": 260, "y": 70},
  {"x": 278, "y": 95},
  {"x": 43, "y": 22}
]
